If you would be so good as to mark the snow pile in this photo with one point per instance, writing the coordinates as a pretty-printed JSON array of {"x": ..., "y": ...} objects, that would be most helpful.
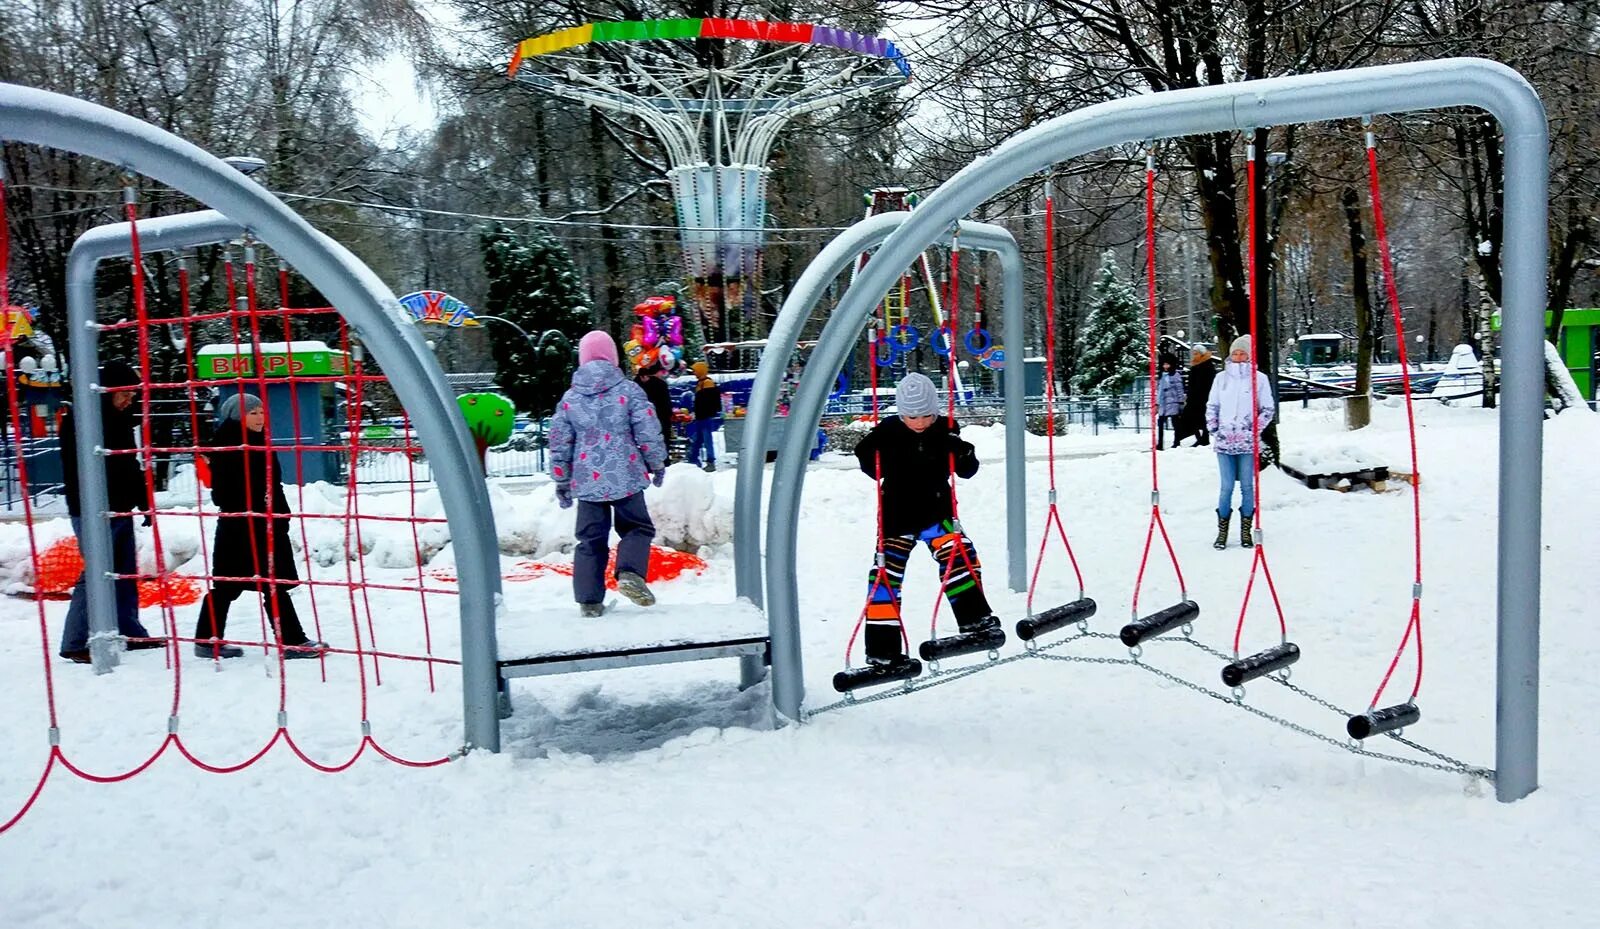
[
  {"x": 1329, "y": 455},
  {"x": 648, "y": 792}
]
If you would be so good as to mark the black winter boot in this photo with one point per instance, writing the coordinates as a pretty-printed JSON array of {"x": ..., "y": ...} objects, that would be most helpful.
[
  {"x": 1222, "y": 532},
  {"x": 1246, "y": 526}
]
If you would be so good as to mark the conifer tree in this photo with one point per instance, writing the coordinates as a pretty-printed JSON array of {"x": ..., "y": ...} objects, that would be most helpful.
[
  {"x": 534, "y": 283},
  {"x": 1111, "y": 345}
]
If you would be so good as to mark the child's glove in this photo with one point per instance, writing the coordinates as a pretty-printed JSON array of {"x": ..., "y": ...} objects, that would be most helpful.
[
  {"x": 564, "y": 496},
  {"x": 658, "y": 477}
]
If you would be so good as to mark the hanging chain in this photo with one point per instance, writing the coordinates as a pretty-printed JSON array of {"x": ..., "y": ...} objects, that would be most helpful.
[{"x": 1442, "y": 762}]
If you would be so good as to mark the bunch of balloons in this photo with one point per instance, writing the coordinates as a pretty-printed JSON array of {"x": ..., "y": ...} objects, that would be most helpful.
[{"x": 657, "y": 338}]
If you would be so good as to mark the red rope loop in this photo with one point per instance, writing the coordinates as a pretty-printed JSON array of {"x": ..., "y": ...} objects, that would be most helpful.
[
  {"x": 1156, "y": 524},
  {"x": 1392, "y": 291},
  {"x": 1258, "y": 561},
  {"x": 1052, "y": 510}
]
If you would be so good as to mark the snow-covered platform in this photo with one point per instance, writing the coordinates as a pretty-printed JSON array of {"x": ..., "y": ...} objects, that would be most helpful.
[{"x": 559, "y": 641}]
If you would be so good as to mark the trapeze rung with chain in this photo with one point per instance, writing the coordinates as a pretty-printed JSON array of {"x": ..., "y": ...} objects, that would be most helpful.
[
  {"x": 1260, "y": 664},
  {"x": 1387, "y": 719},
  {"x": 1148, "y": 627},
  {"x": 988, "y": 639},
  {"x": 1054, "y": 618},
  {"x": 870, "y": 675}
]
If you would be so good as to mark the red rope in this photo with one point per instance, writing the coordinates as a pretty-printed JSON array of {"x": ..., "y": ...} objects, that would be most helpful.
[
  {"x": 14, "y": 410},
  {"x": 880, "y": 577},
  {"x": 299, "y": 466},
  {"x": 953, "y": 383},
  {"x": 1052, "y": 511},
  {"x": 1156, "y": 522},
  {"x": 1393, "y": 292},
  {"x": 1259, "y": 560},
  {"x": 57, "y": 757},
  {"x": 141, "y": 313}
]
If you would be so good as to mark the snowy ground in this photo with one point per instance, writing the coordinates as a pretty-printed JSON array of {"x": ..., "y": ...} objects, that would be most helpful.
[{"x": 1034, "y": 794}]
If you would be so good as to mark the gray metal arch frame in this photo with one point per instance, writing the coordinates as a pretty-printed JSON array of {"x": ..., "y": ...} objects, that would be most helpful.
[
  {"x": 1456, "y": 82},
  {"x": 42, "y": 118},
  {"x": 166, "y": 233},
  {"x": 835, "y": 258}
]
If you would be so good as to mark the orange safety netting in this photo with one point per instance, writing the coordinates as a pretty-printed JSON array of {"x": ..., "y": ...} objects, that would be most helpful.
[
  {"x": 61, "y": 565},
  {"x": 666, "y": 564}
]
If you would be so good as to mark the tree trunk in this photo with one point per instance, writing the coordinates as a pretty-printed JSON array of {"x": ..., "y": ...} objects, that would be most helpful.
[{"x": 1358, "y": 406}]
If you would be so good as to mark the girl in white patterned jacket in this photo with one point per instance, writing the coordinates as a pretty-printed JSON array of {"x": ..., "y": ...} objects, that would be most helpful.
[{"x": 1235, "y": 423}]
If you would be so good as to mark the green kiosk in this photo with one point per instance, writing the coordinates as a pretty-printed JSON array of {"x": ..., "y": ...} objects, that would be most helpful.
[
  {"x": 1578, "y": 345},
  {"x": 302, "y": 404}
]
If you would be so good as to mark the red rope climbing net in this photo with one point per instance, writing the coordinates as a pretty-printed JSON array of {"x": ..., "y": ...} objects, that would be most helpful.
[{"x": 367, "y": 610}]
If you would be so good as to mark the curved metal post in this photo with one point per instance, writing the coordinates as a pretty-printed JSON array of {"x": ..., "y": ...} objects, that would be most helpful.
[
  {"x": 838, "y": 339},
  {"x": 43, "y": 118},
  {"x": 166, "y": 233},
  {"x": 1454, "y": 82}
]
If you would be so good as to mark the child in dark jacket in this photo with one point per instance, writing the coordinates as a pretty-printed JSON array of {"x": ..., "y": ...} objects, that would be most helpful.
[
  {"x": 707, "y": 417},
  {"x": 911, "y": 455},
  {"x": 605, "y": 446}
]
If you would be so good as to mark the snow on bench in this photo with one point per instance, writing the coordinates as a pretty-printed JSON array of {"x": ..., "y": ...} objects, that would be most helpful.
[
  {"x": 559, "y": 641},
  {"x": 1333, "y": 465}
]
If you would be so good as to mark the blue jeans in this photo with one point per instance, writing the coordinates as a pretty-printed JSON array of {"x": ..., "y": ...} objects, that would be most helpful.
[
  {"x": 594, "y": 543},
  {"x": 1236, "y": 469},
  {"x": 124, "y": 560},
  {"x": 700, "y": 432}
]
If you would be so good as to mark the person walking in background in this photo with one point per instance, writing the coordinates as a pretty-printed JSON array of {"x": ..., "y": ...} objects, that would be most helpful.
[
  {"x": 652, "y": 380},
  {"x": 125, "y": 491},
  {"x": 1236, "y": 415},
  {"x": 605, "y": 446},
  {"x": 1192, "y": 420},
  {"x": 1169, "y": 402},
  {"x": 707, "y": 417},
  {"x": 250, "y": 551}
]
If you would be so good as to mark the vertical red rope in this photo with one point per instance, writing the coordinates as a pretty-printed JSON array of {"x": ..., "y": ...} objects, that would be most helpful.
[
  {"x": 14, "y": 410},
  {"x": 1156, "y": 522},
  {"x": 142, "y": 317},
  {"x": 268, "y": 589},
  {"x": 416, "y": 543},
  {"x": 186, "y": 312},
  {"x": 231, "y": 277},
  {"x": 354, "y": 375},
  {"x": 1392, "y": 290},
  {"x": 953, "y": 324},
  {"x": 1258, "y": 560},
  {"x": 299, "y": 466},
  {"x": 1052, "y": 511},
  {"x": 880, "y": 577}
]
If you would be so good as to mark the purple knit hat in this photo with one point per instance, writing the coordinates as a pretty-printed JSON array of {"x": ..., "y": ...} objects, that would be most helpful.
[{"x": 597, "y": 346}]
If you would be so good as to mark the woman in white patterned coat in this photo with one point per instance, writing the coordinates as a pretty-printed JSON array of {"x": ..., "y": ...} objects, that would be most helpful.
[{"x": 1236, "y": 415}]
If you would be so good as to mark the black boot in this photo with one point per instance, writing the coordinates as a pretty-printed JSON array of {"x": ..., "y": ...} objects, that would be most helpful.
[
  {"x": 1222, "y": 532},
  {"x": 1246, "y": 525}
]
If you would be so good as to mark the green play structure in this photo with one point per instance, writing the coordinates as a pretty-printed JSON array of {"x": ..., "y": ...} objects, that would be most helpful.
[{"x": 1579, "y": 346}]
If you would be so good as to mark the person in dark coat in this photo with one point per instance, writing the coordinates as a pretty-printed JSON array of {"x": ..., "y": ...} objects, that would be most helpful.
[
  {"x": 707, "y": 408},
  {"x": 911, "y": 456},
  {"x": 1192, "y": 421},
  {"x": 655, "y": 388},
  {"x": 251, "y": 549},
  {"x": 125, "y": 490},
  {"x": 1169, "y": 402}
]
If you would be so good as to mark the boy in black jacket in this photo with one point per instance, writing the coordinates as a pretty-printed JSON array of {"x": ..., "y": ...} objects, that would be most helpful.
[{"x": 912, "y": 454}]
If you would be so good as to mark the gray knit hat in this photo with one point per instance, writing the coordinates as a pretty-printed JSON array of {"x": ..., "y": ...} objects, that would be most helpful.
[
  {"x": 1241, "y": 344},
  {"x": 916, "y": 396},
  {"x": 230, "y": 408}
]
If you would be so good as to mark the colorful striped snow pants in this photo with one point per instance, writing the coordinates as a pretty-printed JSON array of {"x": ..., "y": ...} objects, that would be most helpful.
[{"x": 958, "y": 567}]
